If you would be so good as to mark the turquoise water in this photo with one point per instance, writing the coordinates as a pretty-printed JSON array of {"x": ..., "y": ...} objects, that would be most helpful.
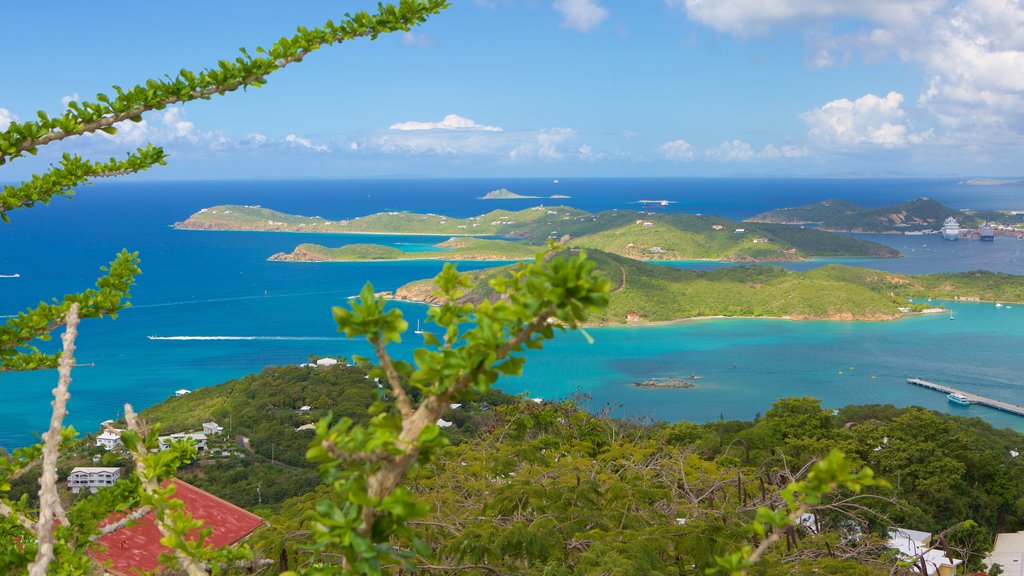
[{"x": 258, "y": 313}]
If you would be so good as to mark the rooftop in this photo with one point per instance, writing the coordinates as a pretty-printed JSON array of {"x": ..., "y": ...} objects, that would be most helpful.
[{"x": 137, "y": 548}]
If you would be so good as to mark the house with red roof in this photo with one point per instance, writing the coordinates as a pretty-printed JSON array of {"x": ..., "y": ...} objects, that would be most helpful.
[{"x": 136, "y": 548}]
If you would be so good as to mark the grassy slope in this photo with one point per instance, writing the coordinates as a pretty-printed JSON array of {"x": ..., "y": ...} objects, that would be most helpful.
[{"x": 659, "y": 293}]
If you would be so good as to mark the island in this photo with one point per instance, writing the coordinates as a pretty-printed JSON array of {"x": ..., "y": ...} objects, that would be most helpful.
[
  {"x": 664, "y": 383},
  {"x": 643, "y": 293},
  {"x": 920, "y": 215},
  {"x": 457, "y": 248},
  {"x": 629, "y": 233},
  {"x": 504, "y": 194}
]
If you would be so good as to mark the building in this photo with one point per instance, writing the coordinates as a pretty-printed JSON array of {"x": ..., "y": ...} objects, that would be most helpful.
[
  {"x": 915, "y": 546},
  {"x": 211, "y": 428},
  {"x": 1008, "y": 552},
  {"x": 326, "y": 362},
  {"x": 92, "y": 478},
  {"x": 182, "y": 392},
  {"x": 717, "y": 226},
  {"x": 136, "y": 549},
  {"x": 198, "y": 437},
  {"x": 109, "y": 438},
  {"x": 740, "y": 231}
]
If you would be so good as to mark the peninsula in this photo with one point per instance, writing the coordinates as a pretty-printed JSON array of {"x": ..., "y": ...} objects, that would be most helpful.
[
  {"x": 457, "y": 248},
  {"x": 644, "y": 293},
  {"x": 629, "y": 233},
  {"x": 914, "y": 216}
]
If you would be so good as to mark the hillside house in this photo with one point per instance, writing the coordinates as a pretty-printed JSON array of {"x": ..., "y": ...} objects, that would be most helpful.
[
  {"x": 136, "y": 548},
  {"x": 915, "y": 546},
  {"x": 211, "y": 428},
  {"x": 92, "y": 478},
  {"x": 740, "y": 231},
  {"x": 717, "y": 227},
  {"x": 632, "y": 317},
  {"x": 109, "y": 439},
  {"x": 1008, "y": 552},
  {"x": 198, "y": 437},
  {"x": 182, "y": 392}
]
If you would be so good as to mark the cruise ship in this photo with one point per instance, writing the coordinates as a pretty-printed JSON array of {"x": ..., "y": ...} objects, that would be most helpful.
[
  {"x": 987, "y": 231},
  {"x": 951, "y": 229}
]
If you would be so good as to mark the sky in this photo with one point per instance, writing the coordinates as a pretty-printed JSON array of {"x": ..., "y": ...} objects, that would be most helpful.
[{"x": 549, "y": 88}]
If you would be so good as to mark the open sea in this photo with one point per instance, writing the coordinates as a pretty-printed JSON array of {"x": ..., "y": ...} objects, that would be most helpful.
[{"x": 219, "y": 310}]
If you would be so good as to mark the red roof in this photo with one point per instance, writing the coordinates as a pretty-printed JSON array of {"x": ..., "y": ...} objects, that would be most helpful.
[{"x": 137, "y": 548}]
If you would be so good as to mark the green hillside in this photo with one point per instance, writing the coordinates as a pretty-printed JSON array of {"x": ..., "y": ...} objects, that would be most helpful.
[
  {"x": 833, "y": 292},
  {"x": 810, "y": 214},
  {"x": 919, "y": 214},
  {"x": 638, "y": 235}
]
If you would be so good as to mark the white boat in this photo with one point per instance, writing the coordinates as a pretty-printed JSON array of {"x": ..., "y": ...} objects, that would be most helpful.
[
  {"x": 951, "y": 229},
  {"x": 418, "y": 329},
  {"x": 10, "y": 275},
  {"x": 960, "y": 399},
  {"x": 998, "y": 305}
]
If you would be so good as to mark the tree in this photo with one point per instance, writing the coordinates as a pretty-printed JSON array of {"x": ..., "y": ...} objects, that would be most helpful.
[{"x": 31, "y": 534}]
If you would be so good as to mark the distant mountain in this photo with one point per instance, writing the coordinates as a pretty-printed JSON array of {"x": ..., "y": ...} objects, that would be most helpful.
[
  {"x": 915, "y": 215},
  {"x": 810, "y": 214}
]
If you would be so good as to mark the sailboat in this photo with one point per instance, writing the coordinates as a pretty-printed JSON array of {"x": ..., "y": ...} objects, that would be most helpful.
[{"x": 418, "y": 329}]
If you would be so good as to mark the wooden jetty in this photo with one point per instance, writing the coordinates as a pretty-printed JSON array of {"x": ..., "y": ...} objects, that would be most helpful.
[{"x": 972, "y": 398}]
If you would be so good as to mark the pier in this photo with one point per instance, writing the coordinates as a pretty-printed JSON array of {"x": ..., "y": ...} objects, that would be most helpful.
[{"x": 973, "y": 398}]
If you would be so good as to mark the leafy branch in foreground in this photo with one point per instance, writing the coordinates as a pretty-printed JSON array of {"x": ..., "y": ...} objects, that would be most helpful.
[
  {"x": 478, "y": 343},
  {"x": 108, "y": 298},
  {"x": 246, "y": 70},
  {"x": 73, "y": 171}
]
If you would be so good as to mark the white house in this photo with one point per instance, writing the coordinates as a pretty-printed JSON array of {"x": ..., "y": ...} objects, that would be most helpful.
[
  {"x": 109, "y": 439},
  {"x": 182, "y": 392},
  {"x": 326, "y": 362},
  {"x": 212, "y": 428},
  {"x": 915, "y": 546},
  {"x": 92, "y": 478},
  {"x": 198, "y": 437},
  {"x": 1008, "y": 552}
]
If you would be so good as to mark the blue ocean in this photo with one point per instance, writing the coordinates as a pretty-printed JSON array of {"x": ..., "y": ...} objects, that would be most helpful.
[{"x": 209, "y": 307}]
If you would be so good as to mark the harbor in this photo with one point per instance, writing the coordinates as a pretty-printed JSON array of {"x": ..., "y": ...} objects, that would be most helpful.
[{"x": 968, "y": 397}]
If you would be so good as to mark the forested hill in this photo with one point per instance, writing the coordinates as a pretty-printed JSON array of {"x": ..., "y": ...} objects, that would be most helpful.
[
  {"x": 660, "y": 293},
  {"x": 915, "y": 215},
  {"x": 541, "y": 489},
  {"x": 637, "y": 235}
]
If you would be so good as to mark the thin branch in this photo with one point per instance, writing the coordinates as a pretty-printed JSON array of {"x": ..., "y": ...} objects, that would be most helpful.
[
  {"x": 483, "y": 567},
  {"x": 49, "y": 500},
  {"x": 775, "y": 535},
  {"x": 18, "y": 517},
  {"x": 342, "y": 455},
  {"x": 401, "y": 396},
  {"x": 150, "y": 486},
  {"x": 115, "y": 526}
]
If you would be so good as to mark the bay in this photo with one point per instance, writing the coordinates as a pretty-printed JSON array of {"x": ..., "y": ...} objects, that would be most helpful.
[{"x": 211, "y": 284}]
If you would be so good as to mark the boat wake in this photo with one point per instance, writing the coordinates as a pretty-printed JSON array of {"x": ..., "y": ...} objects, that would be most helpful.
[
  {"x": 272, "y": 338},
  {"x": 232, "y": 299},
  {"x": 10, "y": 275}
]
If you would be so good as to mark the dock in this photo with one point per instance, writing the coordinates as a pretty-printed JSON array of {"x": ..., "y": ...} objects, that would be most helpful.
[{"x": 973, "y": 398}]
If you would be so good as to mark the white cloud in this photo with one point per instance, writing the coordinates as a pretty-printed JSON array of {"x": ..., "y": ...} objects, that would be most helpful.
[
  {"x": 971, "y": 53},
  {"x": 6, "y": 117},
  {"x": 732, "y": 151},
  {"x": 740, "y": 151},
  {"x": 582, "y": 15},
  {"x": 300, "y": 142},
  {"x": 414, "y": 40},
  {"x": 254, "y": 139},
  {"x": 450, "y": 122},
  {"x": 73, "y": 97},
  {"x": 543, "y": 144},
  {"x": 676, "y": 150},
  {"x": 868, "y": 121},
  {"x": 747, "y": 17}
]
